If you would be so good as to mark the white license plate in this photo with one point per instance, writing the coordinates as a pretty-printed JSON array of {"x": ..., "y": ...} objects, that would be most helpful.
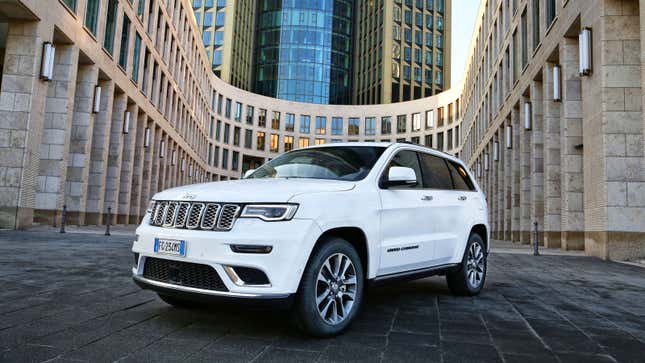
[{"x": 170, "y": 247}]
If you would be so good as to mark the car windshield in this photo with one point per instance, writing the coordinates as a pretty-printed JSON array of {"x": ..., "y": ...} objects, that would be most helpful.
[{"x": 350, "y": 163}]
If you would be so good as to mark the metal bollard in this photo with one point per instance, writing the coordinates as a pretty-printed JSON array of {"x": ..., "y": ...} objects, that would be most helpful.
[
  {"x": 109, "y": 220},
  {"x": 62, "y": 219},
  {"x": 536, "y": 251}
]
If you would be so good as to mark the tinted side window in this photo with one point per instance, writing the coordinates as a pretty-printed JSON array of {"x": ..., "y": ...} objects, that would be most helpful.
[
  {"x": 408, "y": 159},
  {"x": 435, "y": 172},
  {"x": 460, "y": 177}
]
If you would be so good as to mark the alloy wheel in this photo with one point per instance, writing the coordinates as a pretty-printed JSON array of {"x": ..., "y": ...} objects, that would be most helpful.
[
  {"x": 336, "y": 288},
  {"x": 475, "y": 265}
]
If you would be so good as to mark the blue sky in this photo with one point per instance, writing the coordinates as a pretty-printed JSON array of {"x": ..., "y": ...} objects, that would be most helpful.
[{"x": 464, "y": 14}]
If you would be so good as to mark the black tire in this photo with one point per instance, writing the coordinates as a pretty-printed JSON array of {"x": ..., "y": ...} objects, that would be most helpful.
[
  {"x": 459, "y": 281},
  {"x": 306, "y": 313},
  {"x": 177, "y": 302}
]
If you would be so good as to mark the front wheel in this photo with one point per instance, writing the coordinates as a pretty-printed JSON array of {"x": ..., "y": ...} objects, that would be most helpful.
[
  {"x": 469, "y": 279},
  {"x": 331, "y": 289}
]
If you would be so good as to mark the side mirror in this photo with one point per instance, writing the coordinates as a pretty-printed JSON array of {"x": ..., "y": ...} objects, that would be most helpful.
[
  {"x": 248, "y": 173},
  {"x": 399, "y": 175}
]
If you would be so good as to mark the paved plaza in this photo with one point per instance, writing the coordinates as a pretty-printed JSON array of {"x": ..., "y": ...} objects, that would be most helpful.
[{"x": 69, "y": 297}]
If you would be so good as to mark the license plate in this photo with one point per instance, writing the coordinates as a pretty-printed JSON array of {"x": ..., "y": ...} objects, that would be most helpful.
[{"x": 170, "y": 247}]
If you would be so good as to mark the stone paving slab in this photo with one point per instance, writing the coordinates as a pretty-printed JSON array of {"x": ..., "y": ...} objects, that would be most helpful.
[{"x": 69, "y": 298}]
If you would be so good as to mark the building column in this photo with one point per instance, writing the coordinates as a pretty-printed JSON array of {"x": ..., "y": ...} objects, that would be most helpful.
[
  {"x": 572, "y": 209},
  {"x": 137, "y": 207},
  {"x": 614, "y": 173},
  {"x": 80, "y": 144},
  {"x": 128, "y": 155},
  {"x": 537, "y": 160},
  {"x": 22, "y": 101},
  {"x": 56, "y": 134},
  {"x": 526, "y": 180},
  {"x": 114, "y": 155},
  {"x": 516, "y": 195},
  {"x": 98, "y": 154},
  {"x": 552, "y": 191}
]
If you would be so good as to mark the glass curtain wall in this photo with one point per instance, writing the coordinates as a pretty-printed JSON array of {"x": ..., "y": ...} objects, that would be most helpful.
[{"x": 304, "y": 50}]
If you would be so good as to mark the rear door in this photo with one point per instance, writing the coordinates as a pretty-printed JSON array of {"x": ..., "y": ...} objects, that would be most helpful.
[{"x": 443, "y": 211}]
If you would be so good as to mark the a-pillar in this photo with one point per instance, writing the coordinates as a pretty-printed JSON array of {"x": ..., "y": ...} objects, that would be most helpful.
[
  {"x": 80, "y": 144},
  {"x": 552, "y": 186},
  {"x": 572, "y": 209},
  {"x": 59, "y": 106}
]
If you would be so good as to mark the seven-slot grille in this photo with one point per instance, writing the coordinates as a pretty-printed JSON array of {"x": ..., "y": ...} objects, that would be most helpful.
[
  {"x": 183, "y": 273},
  {"x": 195, "y": 215}
]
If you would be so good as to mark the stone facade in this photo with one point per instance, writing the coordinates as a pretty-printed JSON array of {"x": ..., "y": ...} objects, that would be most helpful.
[{"x": 576, "y": 169}]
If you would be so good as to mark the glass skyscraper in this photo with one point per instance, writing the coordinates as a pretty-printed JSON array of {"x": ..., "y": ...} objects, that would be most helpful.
[{"x": 304, "y": 50}]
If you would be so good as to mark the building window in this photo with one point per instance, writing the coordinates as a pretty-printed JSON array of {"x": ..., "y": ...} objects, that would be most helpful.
[
  {"x": 235, "y": 161},
  {"x": 288, "y": 143},
  {"x": 303, "y": 142},
  {"x": 290, "y": 123},
  {"x": 275, "y": 143},
  {"x": 249, "y": 114},
  {"x": 218, "y": 130},
  {"x": 220, "y": 102},
  {"x": 305, "y": 124},
  {"x": 227, "y": 109},
  {"x": 70, "y": 4},
  {"x": 536, "y": 23},
  {"x": 320, "y": 141},
  {"x": 336, "y": 125},
  {"x": 136, "y": 57},
  {"x": 416, "y": 122},
  {"x": 236, "y": 136},
  {"x": 260, "y": 144},
  {"x": 428, "y": 140},
  {"x": 125, "y": 43},
  {"x": 110, "y": 26},
  {"x": 550, "y": 12},
  {"x": 321, "y": 125},
  {"x": 91, "y": 15},
  {"x": 262, "y": 118},
  {"x": 227, "y": 132},
  {"x": 275, "y": 120},
  {"x": 401, "y": 124},
  {"x": 248, "y": 139},
  {"x": 224, "y": 158},
  {"x": 449, "y": 135},
  {"x": 386, "y": 125},
  {"x": 440, "y": 141},
  {"x": 353, "y": 126},
  {"x": 429, "y": 119},
  {"x": 238, "y": 111},
  {"x": 370, "y": 126},
  {"x": 525, "y": 37}
]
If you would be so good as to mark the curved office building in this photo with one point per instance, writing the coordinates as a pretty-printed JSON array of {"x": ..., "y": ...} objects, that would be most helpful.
[
  {"x": 105, "y": 102},
  {"x": 304, "y": 50}
]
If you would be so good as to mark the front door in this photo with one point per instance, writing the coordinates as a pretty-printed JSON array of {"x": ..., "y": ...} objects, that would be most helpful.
[{"x": 405, "y": 233}]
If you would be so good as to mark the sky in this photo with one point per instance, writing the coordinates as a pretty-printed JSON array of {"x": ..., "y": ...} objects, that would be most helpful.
[{"x": 464, "y": 14}]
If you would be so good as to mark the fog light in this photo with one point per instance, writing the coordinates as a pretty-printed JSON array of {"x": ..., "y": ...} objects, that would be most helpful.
[
  {"x": 251, "y": 249},
  {"x": 136, "y": 260},
  {"x": 247, "y": 276}
]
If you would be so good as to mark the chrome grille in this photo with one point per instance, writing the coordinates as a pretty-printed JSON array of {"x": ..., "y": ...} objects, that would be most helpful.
[
  {"x": 195, "y": 215},
  {"x": 182, "y": 214},
  {"x": 210, "y": 216},
  {"x": 228, "y": 216},
  {"x": 170, "y": 214}
]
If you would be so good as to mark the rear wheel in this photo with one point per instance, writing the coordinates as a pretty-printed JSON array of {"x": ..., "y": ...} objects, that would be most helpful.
[
  {"x": 331, "y": 289},
  {"x": 469, "y": 279}
]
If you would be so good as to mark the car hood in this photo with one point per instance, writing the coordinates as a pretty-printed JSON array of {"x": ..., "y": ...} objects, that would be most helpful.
[{"x": 252, "y": 190}]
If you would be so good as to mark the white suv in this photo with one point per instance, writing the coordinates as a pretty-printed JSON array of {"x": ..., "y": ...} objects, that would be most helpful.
[{"x": 316, "y": 226}]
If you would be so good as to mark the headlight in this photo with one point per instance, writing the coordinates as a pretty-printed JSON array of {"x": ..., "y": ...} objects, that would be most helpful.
[{"x": 270, "y": 212}]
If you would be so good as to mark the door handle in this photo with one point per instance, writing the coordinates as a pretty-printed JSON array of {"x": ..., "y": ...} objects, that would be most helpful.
[
  {"x": 427, "y": 198},
  {"x": 462, "y": 198}
]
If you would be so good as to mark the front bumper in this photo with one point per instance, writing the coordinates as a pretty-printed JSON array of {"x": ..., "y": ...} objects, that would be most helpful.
[{"x": 291, "y": 241}]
